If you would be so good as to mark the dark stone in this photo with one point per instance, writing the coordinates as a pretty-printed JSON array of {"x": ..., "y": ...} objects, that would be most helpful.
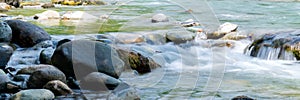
[
  {"x": 5, "y": 52},
  {"x": 62, "y": 42},
  {"x": 242, "y": 98},
  {"x": 41, "y": 75},
  {"x": 58, "y": 88},
  {"x": 46, "y": 54},
  {"x": 85, "y": 57},
  {"x": 26, "y": 34},
  {"x": 282, "y": 45},
  {"x": 5, "y": 32},
  {"x": 99, "y": 82}
]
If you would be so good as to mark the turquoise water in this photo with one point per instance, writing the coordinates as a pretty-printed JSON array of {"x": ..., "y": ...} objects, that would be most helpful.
[{"x": 199, "y": 72}]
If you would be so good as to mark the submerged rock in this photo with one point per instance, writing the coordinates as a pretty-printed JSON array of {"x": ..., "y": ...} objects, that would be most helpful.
[
  {"x": 33, "y": 94},
  {"x": 26, "y": 34},
  {"x": 128, "y": 38},
  {"x": 5, "y": 52},
  {"x": 49, "y": 14},
  {"x": 124, "y": 92},
  {"x": 99, "y": 82},
  {"x": 159, "y": 18},
  {"x": 282, "y": 45},
  {"x": 58, "y": 88},
  {"x": 81, "y": 57},
  {"x": 5, "y": 32}
]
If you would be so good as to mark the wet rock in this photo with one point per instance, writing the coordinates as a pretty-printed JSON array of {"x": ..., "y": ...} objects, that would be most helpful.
[
  {"x": 155, "y": 39},
  {"x": 33, "y": 94},
  {"x": 189, "y": 23},
  {"x": 5, "y": 32},
  {"x": 128, "y": 38},
  {"x": 5, "y": 52},
  {"x": 159, "y": 18},
  {"x": 78, "y": 15},
  {"x": 49, "y": 14},
  {"x": 99, "y": 82},
  {"x": 124, "y": 92},
  {"x": 224, "y": 29},
  {"x": 3, "y": 77},
  {"x": 82, "y": 57},
  {"x": 281, "y": 45},
  {"x": 15, "y": 3},
  {"x": 5, "y": 6},
  {"x": 227, "y": 28},
  {"x": 242, "y": 98},
  {"x": 137, "y": 61},
  {"x": 180, "y": 36},
  {"x": 62, "y": 42},
  {"x": 95, "y": 2},
  {"x": 26, "y": 34},
  {"x": 233, "y": 36},
  {"x": 46, "y": 54},
  {"x": 42, "y": 74},
  {"x": 47, "y": 5},
  {"x": 58, "y": 88}
]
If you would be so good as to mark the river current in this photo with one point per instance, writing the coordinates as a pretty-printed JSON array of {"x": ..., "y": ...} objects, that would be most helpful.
[{"x": 219, "y": 73}]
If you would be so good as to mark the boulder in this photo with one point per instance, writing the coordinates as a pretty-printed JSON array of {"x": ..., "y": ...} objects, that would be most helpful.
[
  {"x": 26, "y": 34},
  {"x": 159, "y": 18},
  {"x": 5, "y": 52},
  {"x": 58, "y": 88},
  {"x": 5, "y": 32},
  {"x": 81, "y": 57},
  {"x": 180, "y": 36},
  {"x": 33, "y": 94},
  {"x": 136, "y": 61},
  {"x": 281, "y": 45},
  {"x": 4, "y": 7},
  {"x": 49, "y": 14},
  {"x": 99, "y": 82},
  {"x": 41, "y": 75}
]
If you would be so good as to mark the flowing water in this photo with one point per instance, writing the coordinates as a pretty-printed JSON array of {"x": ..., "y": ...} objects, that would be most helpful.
[{"x": 193, "y": 71}]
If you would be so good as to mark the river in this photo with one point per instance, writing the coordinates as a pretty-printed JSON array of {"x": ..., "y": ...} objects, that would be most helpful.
[{"x": 219, "y": 73}]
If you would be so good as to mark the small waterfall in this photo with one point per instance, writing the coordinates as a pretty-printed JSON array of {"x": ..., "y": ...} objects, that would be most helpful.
[{"x": 271, "y": 53}]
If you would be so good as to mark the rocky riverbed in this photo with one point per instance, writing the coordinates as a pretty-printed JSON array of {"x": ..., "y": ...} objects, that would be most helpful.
[{"x": 145, "y": 53}]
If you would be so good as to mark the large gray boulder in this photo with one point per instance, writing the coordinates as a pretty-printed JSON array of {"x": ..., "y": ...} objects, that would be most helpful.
[
  {"x": 26, "y": 34},
  {"x": 81, "y": 57}
]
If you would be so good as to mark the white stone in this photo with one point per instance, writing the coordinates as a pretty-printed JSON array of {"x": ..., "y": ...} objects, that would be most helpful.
[{"x": 227, "y": 27}]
